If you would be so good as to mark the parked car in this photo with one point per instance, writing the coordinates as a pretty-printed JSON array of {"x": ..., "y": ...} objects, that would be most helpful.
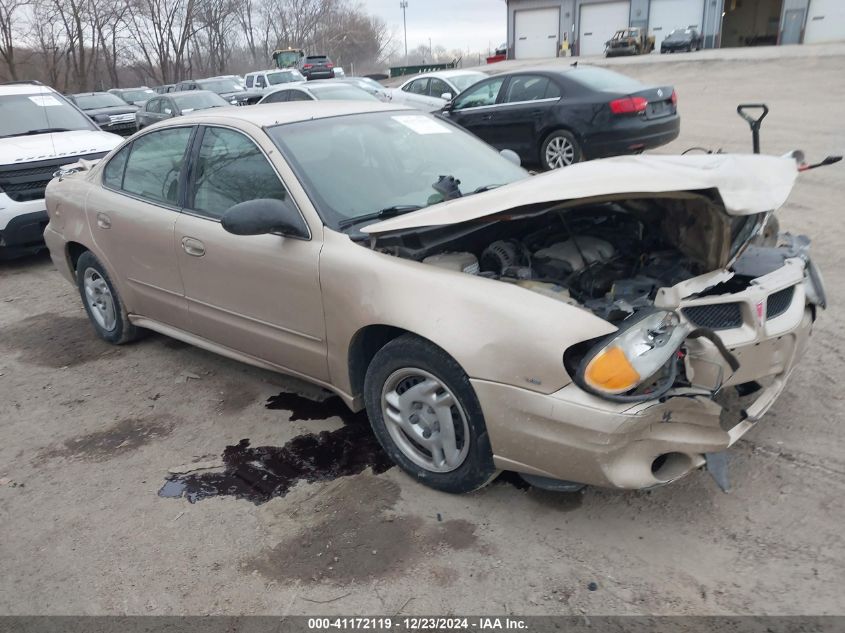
[
  {"x": 367, "y": 85},
  {"x": 339, "y": 73},
  {"x": 317, "y": 91},
  {"x": 134, "y": 96},
  {"x": 316, "y": 67},
  {"x": 565, "y": 326},
  {"x": 108, "y": 111},
  {"x": 177, "y": 104},
  {"x": 681, "y": 40},
  {"x": 266, "y": 80},
  {"x": 40, "y": 131},
  {"x": 629, "y": 41},
  {"x": 554, "y": 118},
  {"x": 431, "y": 91},
  {"x": 227, "y": 87},
  {"x": 165, "y": 89}
]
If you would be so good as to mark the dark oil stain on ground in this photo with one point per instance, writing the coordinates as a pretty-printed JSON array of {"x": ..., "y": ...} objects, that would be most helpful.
[
  {"x": 261, "y": 473},
  {"x": 56, "y": 341},
  {"x": 355, "y": 535},
  {"x": 123, "y": 437}
]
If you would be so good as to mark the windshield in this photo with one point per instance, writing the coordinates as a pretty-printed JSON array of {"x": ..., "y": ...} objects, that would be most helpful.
[
  {"x": 360, "y": 164},
  {"x": 370, "y": 84},
  {"x": 284, "y": 78},
  {"x": 27, "y": 113},
  {"x": 678, "y": 36},
  {"x": 341, "y": 93},
  {"x": 137, "y": 95},
  {"x": 462, "y": 82},
  {"x": 199, "y": 101},
  {"x": 286, "y": 58},
  {"x": 220, "y": 85},
  {"x": 316, "y": 59},
  {"x": 603, "y": 80},
  {"x": 101, "y": 100}
]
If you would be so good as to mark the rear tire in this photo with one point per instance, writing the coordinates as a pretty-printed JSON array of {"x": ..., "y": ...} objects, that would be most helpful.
[
  {"x": 426, "y": 416},
  {"x": 102, "y": 302},
  {"x": 560, "y": 149}
]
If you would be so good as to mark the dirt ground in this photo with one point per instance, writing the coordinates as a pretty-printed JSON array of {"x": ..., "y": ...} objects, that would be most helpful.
[{"x": 88, "y": 433}]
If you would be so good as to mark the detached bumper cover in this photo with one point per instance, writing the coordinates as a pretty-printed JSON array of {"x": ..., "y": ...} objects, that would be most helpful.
[{"x": 574, "y": 436}]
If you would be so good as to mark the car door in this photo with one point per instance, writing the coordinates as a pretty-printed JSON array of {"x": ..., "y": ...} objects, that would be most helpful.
[
  {"x": 259, "y": 295},
  {"x": 526, "y": 108},
  {"x": 415, "y": 94},
  {"x": 260, "y": 82},
  {"x": 475, "y": 107},
  {"x": 437, "y": 88},
  {"x": 133, "y": 218}
]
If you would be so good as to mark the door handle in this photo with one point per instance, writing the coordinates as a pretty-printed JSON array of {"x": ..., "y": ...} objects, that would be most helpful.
[
  {"x": 193, "y": 247},
  {"x": 103, "y": 221}
]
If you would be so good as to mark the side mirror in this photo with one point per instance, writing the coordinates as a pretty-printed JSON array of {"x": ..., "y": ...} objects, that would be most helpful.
[
  {"x": 265, "y": 215},
  {"x": 512, "y": 156},
  {"x": 447, "y": 96}
]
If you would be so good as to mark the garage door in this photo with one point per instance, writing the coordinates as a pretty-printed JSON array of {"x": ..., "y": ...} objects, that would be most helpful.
[
  {"x": 825, "y": 21},
  {"x": 665, "y": 16},
  {"x": 598, "y": 24},
  {"x": 537, "y": 33}
]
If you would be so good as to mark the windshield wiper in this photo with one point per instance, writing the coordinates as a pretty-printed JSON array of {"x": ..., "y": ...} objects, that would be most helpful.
[
  {"x": 45, "y": 130},
  {"x": 486, "y": 188},
  {"x": 388, "y": 212}
]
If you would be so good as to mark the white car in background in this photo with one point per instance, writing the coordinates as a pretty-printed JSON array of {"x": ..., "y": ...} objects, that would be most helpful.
[
  {"x": 269, "y": 80},
  {"x": 431, "y": 91}
]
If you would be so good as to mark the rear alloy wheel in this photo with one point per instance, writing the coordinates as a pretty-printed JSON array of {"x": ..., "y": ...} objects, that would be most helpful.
[
  {"x": 560, "y": 150},
  {"x": 102, "y": 303},
  {"x": 426, "y": 416}
]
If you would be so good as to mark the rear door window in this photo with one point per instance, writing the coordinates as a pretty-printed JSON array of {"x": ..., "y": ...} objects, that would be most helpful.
[
  {"x": 249, "y": 80},
  {"x": 419, "y": 87},
  {"x": 524, "y": 88},
  {"x": 154, "y": 165}
]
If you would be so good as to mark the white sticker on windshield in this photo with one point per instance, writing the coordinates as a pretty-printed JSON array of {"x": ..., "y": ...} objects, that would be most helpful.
[
  {"x": 422, "y": 124},
  {"x": 45, "y": 100}
]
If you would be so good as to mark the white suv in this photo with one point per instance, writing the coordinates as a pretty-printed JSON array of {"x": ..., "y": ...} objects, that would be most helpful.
[
  {"x": 40, "y": 131},
  {"x": 267, "y": 80}
]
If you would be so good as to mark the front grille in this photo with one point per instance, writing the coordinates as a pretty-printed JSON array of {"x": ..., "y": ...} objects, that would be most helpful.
[
  {"x": 779, "y": 302},
  {"x": 122, "y": 118},
  {"x": 124, "y": 129},
  {"x": 716, "y": 316},
  {"x": 27, "y": 181}
]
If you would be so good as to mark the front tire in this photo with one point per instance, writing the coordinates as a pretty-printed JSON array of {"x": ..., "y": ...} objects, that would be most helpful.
[
  {"x": 102, "y": 302},
  {"x": 560, "y": 149},
  {"x": 426, "y": 416}
]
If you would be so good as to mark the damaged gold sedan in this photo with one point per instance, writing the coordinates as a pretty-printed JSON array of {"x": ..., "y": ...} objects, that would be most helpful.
[{"x": 618, "y": 323}]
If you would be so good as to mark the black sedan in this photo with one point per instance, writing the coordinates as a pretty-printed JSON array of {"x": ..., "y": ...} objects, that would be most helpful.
[
  {"x": 227, "y": 87},
  {"x": 681, "y": 40},
  {"x": 109, "y": 112},
  {"x": 558, "y": 117},
  {"x": 176, "y": 104}
]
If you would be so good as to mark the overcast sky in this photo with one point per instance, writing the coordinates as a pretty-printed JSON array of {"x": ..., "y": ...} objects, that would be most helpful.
[{"x": 476, "y": 24}]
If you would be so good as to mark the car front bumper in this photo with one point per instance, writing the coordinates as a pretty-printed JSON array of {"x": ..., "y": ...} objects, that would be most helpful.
[
  {"x": 24, "y": 233},
  {"x": 574, "y": 436}
]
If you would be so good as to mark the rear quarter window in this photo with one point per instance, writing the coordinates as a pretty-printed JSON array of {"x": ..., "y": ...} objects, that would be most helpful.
[{"x": 113, "y": 172}]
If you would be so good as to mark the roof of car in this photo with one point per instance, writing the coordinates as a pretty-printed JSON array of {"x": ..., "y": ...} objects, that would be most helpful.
[
  {"x": 88, "y": 94},
  {"x": 447, "y": 73},
  {"x": 264, "y": 115},
  {"x": 185, "y": 93}
]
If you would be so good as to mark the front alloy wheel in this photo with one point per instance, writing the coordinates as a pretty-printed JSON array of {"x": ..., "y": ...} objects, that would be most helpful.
[
  {"x": 426, "y": 416},
  {"x": 425, "y": 420},
  {"x": 99, "y": 299}
]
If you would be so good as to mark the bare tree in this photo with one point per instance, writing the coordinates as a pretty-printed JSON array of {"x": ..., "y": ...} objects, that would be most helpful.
[{"x": 10, "y": 22}]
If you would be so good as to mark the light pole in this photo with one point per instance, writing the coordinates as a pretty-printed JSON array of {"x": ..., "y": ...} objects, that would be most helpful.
[{"x": 404, "y": 5}]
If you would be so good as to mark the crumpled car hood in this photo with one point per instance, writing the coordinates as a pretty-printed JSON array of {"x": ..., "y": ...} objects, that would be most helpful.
[{"x": 747, "y": 184}]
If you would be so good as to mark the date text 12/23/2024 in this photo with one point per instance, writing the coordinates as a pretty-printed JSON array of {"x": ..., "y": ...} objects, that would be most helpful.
[{"x": 415, "y": 623}]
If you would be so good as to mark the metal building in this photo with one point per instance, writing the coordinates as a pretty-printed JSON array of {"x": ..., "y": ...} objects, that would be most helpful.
[{"x": 541, "y": 28}]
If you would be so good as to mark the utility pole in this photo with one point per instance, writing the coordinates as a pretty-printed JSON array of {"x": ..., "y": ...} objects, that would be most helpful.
[{"x": 404, "y": 5}]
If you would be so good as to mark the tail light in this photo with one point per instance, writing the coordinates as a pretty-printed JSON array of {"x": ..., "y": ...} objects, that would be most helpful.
[
  {"x": 307, "y": 66},
  {"x": 329, "y": 65},
  {"x": 674, "y": 98},
  {"x": 628, "y": 105}
]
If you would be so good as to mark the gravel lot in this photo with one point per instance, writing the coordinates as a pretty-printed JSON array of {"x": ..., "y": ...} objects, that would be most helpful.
[{"x": 88, "y": 433}]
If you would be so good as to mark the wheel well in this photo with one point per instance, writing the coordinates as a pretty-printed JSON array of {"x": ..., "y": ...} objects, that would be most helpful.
[
  {"x": 74, "y": 252},
  {"x": 365, "y": 344},
  {"x": 560, "y": 128}
]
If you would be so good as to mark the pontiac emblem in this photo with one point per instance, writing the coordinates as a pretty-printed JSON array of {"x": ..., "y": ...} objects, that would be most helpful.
[{"x": 659, "y": 92}]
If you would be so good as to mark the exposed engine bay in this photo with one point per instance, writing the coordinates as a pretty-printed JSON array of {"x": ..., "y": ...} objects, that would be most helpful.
[{"x": 610, "y": 258}]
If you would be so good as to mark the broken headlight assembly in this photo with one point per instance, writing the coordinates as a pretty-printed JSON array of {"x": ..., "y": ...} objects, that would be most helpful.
[{"x": 638, "y": 362}]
